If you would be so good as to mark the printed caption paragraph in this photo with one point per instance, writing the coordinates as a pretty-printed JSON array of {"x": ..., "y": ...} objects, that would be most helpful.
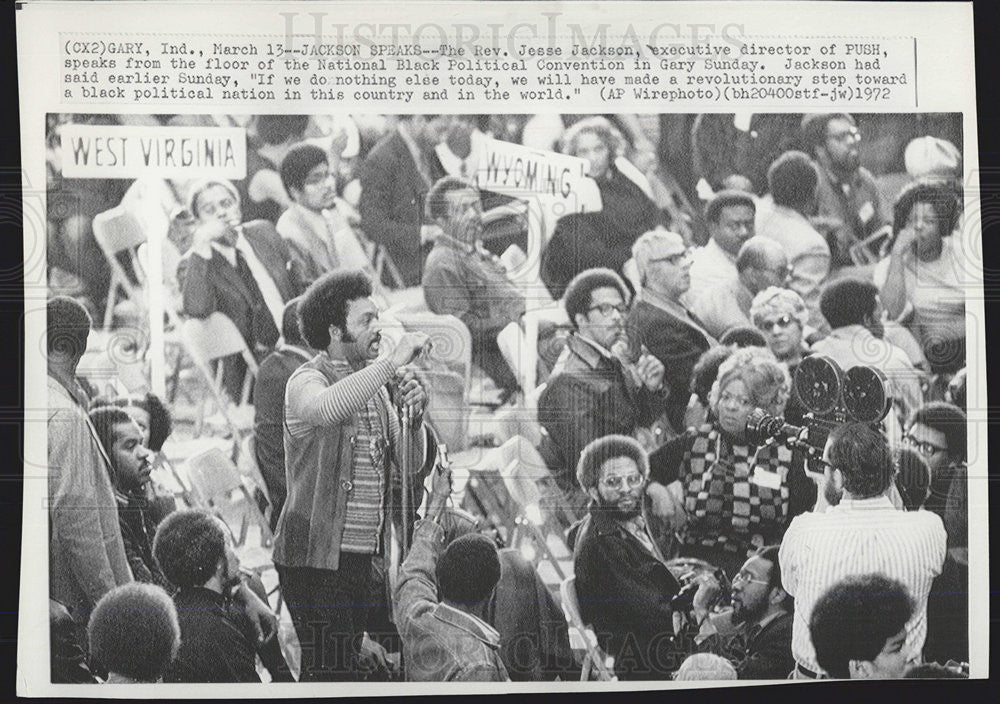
[{"x": 737, "y": 70}]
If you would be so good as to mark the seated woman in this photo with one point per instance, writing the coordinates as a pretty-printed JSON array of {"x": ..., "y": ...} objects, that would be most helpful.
[
  {"x": 603, "y": 238},
  {"x": 924, "y": 270},
  {"x": 725, "y": 496},
  {"x": 781, "y": 315}
]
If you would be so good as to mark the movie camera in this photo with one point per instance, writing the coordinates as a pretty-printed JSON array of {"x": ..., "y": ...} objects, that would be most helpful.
[{"x": 832, "y": 397}]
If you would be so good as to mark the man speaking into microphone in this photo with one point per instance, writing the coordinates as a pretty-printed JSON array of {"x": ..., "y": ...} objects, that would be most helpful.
[{"x": 343, "y": 457}]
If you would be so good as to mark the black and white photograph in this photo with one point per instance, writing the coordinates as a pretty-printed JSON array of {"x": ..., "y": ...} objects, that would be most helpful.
[{"x": 500, "y": 397}]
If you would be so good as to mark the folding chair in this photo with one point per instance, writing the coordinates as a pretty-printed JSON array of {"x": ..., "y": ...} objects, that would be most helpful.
[
  {"x": 595, "y": 661},
  {"x": 212, "y": 339},
  {"x": 535, "y": 500},
  {"x": 219, "y": 487}
]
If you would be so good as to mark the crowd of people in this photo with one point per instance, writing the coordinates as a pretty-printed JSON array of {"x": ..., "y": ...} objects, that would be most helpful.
[{"x": 725, "y": 252}]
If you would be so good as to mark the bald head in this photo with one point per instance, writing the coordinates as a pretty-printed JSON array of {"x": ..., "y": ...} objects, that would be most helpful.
[{"x": 761, "y": 263}]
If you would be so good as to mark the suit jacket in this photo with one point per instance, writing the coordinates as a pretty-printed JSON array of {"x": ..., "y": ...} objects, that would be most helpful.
[
  {"x": 624, "y": 592},
  {"x": 676, "y": 342},
  {"x": 588, "y": 397},
  {"x": 392, "y": 202},
  {"x": 214, "y": 285},
  {"x": 269, "y": 420},
  {"x": 319, "y": 243}
]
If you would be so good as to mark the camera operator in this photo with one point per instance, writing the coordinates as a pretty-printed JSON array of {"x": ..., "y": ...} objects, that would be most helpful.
[{"x": 861, "y": 533}]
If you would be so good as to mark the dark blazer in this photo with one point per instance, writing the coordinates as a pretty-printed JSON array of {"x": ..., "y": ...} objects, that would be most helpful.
[
  {"x": 624, "y": 592},
  {"x": 675, "y": 342},
  {"x": 588, "y": 397},
  {"x": 269, "y": 419},
  {"x": 214, "y": 285},
  {"x": 392, "y": 202}
]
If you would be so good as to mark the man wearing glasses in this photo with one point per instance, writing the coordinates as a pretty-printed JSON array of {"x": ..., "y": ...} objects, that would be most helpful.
[
  {"x": 660, "y": 321},
  {"x": 601, "y": 384},
  {"x": 623, "y": 585},
  {"x": 762, "y": 648},
  {"x": 847, "y": 195}
]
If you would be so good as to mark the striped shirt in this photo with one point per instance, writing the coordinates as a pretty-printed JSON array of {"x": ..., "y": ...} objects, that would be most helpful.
[
  {"x": 312, "y": 404},
  {"x": 857, "y": 537}
]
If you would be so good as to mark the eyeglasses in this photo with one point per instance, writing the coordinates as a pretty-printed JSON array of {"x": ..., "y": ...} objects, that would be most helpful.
[
  {"x": 673, "y": 259},
  {"x": 616, "y": 482},
  {"x": 927, "y": 449},
  {"x": 745, "y": 577},
  {"x": 782, "y": 322},
  {"x": 726, "y": 397},
  {"x": 606, "y": 309}
]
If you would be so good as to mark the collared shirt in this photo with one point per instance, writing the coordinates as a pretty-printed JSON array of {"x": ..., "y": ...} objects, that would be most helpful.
[
  {"x": 467, "y": 281},
  {"x": 854, "y": 345},
  {"x": 857, "y": 537}
]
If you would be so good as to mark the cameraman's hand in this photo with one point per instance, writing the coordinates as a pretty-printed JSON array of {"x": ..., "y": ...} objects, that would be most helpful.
[{"x": 706, "y": 596}]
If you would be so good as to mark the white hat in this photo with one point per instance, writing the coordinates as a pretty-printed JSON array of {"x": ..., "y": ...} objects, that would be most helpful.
[{"x": 930, "y": 156}]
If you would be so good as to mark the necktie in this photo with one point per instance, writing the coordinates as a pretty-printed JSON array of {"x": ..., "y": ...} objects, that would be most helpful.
[{"x": 263, "y": 329}]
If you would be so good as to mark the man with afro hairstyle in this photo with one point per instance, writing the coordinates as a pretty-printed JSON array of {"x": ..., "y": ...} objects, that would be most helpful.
[
  {"x": 134, "y": 634},
  {"x": 218, "y": 641}
]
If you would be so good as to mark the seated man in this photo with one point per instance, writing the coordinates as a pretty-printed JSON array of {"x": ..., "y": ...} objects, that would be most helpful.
[
  {"x": 121, "y": 438},
  {"x": 447, "y": 640},
  {"x": 269, "y": 406},
  {"x": 133, "y": 634},
  {"x": 242, "y": 270},
  {"x": 763, "y": 610},
  {"x": 592, "y": 392},
  {"x": 782, "y": 217},
  {"x": 730, "y": 216},
  {"x": 319, "y": 237},
  {"x": 760, "y": 263},
  {"x": 859, "y": 628},
  {"x": 218, "y": 642},
  {"x": 660, "y": 320},
  {"x": 462, "y": 278},
  {"x": 622, "y": 582},
  {"x": 854, "y": 311}
]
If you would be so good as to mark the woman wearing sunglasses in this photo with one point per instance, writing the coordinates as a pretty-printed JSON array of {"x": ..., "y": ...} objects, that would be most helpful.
[
  {"x": 725, "y": 497},
  {"x": 781, "y": 316}
]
